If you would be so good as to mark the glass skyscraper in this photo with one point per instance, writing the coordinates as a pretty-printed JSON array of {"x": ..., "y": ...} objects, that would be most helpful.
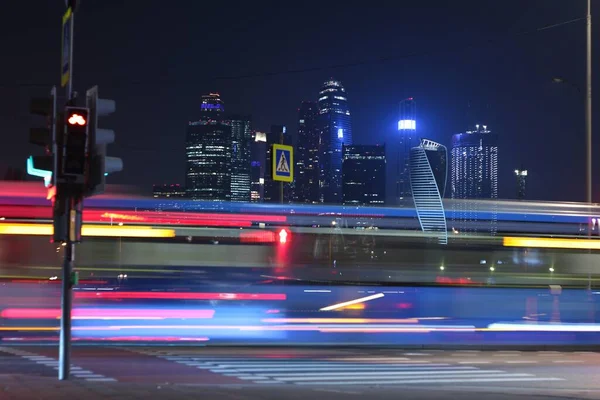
[
  {"x": 208, "y": 153},
  {"x": 306, "y": 175},
  {"x": 428, "y": 172},
  {"x": 363, "y": 174},
  {"x": 474, "y": 176},
  {"x": 407, "y": 131},
  {"x": 335, "y": 130},
  {"x": 241, "y": 140},
  {"x": 257, "y": 166},
  {"x": 521, "y": 175},
  {"x": 475, "y": 164}
]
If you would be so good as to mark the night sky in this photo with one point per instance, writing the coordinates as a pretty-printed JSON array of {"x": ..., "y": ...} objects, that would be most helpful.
[{"x": 156, "y": 58}]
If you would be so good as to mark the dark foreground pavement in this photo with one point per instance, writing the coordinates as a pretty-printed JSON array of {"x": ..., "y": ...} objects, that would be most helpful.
[
  {"x": 19, "y": 387},
  {"x": 111, "y": 372}
]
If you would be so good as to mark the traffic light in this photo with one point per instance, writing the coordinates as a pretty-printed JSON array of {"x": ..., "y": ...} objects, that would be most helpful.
[
  {"x": 74, "y": 148},
  {"x": 100, "y": 164},
  {"x": 44, "y": 166}
]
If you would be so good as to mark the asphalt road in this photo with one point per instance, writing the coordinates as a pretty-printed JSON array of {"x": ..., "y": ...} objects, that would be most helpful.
[{"x": 265, "y": 373}]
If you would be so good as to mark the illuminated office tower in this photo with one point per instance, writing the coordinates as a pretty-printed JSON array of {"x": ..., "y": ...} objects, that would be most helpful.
[
  {"x": 363, "y": 175},
  {"x": 474, "y": 174},
  {"x": 306, "y": 174},
  {"x": 335, "y": 130},
  {"x": 257, "y": 166},
  {"x": 407, "y": 131},
  {"x": 208, "y": 153},
  {"x": 475, "y": 164},
  {"x": 241, "y": 141},
  {"x": 428, "y": 172},
  {"x": 521, "y": 175}
]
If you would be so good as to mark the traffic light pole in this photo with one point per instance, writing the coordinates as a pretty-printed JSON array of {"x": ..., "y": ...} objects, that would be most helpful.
[
  {"x": 70, "y": 210},
  {"x": 280, "y": 183},
  {"x": 66, "y": 305}
]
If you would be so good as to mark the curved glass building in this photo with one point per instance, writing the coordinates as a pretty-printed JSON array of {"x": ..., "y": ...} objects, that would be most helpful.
[
  {"x": 335, "y": 130},
  {"x": 428, "y": 172}
]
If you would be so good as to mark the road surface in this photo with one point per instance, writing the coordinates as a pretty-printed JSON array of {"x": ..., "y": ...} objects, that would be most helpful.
[{"x": 181, "y": 372}]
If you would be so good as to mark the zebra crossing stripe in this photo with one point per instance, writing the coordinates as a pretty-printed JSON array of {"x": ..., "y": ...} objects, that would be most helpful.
[
  {"x": 431, "y": 381},
  {"x": 352, "y": 372},
  {"x": 76, "y": 371}
]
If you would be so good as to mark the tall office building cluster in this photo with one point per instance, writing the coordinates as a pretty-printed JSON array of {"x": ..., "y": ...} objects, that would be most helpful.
[
  {"x": 329, "y": 168},
  {"x": 227, "y": 161},
  {"x": 422, "y": 175},
  {"x": 218, "y": 149}
]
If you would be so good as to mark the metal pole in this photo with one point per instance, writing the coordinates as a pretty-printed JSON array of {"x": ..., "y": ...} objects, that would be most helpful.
[
  {"x": 588, "y": 107},
  {"x": 65, "y": 321},
  {"x": 588, "y": 122},
  {"x": 280, "y": 183},
  {"x": 69, "y": 88},
  {"x": 64, "y": 362}
]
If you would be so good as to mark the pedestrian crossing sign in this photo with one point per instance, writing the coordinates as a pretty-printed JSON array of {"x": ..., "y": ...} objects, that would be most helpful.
[{"x": 283, "y": 163}]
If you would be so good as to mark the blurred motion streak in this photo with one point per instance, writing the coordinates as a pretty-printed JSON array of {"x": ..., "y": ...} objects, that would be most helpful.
[
  {"x": 551, "y": 327},
  {"x": 88, "y": 230},
  {"x": 352, "y": 302},
  {"x": 107, "y": 314},
  {"x": 150, "y": 217},
  {"x": 179, "y": 295},
  {"x": 341, "y": 320},
  {"x": 257, "y": 236},
  {"x": 551, "y": 243}
]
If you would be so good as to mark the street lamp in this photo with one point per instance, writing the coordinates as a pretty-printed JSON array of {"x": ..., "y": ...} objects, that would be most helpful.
[
  {"x": 588, "y": 116},
  {"x": 588, "y": 105}
]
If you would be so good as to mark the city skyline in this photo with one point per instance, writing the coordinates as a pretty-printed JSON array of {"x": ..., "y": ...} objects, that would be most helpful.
[
  {"x": 155, "y": 97},
  {"x": 323, "y": 126}
]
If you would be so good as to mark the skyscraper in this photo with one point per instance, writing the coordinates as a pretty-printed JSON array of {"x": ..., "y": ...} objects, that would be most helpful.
[
  {"x": 474, "y": 175},
  {"x": 407, "y": 130},
  {"x": 257, "y": 167},
  {"x": 306, "y": 179},
  {"x": 335, "y": 130},
  {"x": 363, "y": 174},
  {"x": 208, "y": 153},
  {"x": 521, "y": 175},
  {"x": 475, "y": 164},
  {"x": 241, "y": 140},
  {"x": 428, "y": 172}
]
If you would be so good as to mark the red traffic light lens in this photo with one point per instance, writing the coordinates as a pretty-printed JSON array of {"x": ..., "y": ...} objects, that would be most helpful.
[{"x": 77, "y": 119}]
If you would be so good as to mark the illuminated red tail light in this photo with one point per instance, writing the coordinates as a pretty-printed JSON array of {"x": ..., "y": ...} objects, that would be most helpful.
[{"x": 283, "y": 236}]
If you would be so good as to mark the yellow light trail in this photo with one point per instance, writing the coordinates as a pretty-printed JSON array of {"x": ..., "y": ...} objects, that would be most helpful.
[
  {"x": 352, "y": 302},
  {"x": 88, "y": 230},
  {"x": 552, "y": 243}
]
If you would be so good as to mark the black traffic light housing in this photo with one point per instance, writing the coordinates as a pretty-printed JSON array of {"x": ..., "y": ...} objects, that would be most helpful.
[
  {"x": 73, "y": 167},
  {"x": 100, "y": 165},
  {"x": 44, "y": 165}
]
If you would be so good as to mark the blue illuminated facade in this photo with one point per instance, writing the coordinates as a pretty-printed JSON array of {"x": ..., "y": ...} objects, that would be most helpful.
[
  {"x": 428, "y": 172},
  {"x": 335, "y": 130},
  {"x": 474, "y": 176},
  {"x": 407, "y": 130}
]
